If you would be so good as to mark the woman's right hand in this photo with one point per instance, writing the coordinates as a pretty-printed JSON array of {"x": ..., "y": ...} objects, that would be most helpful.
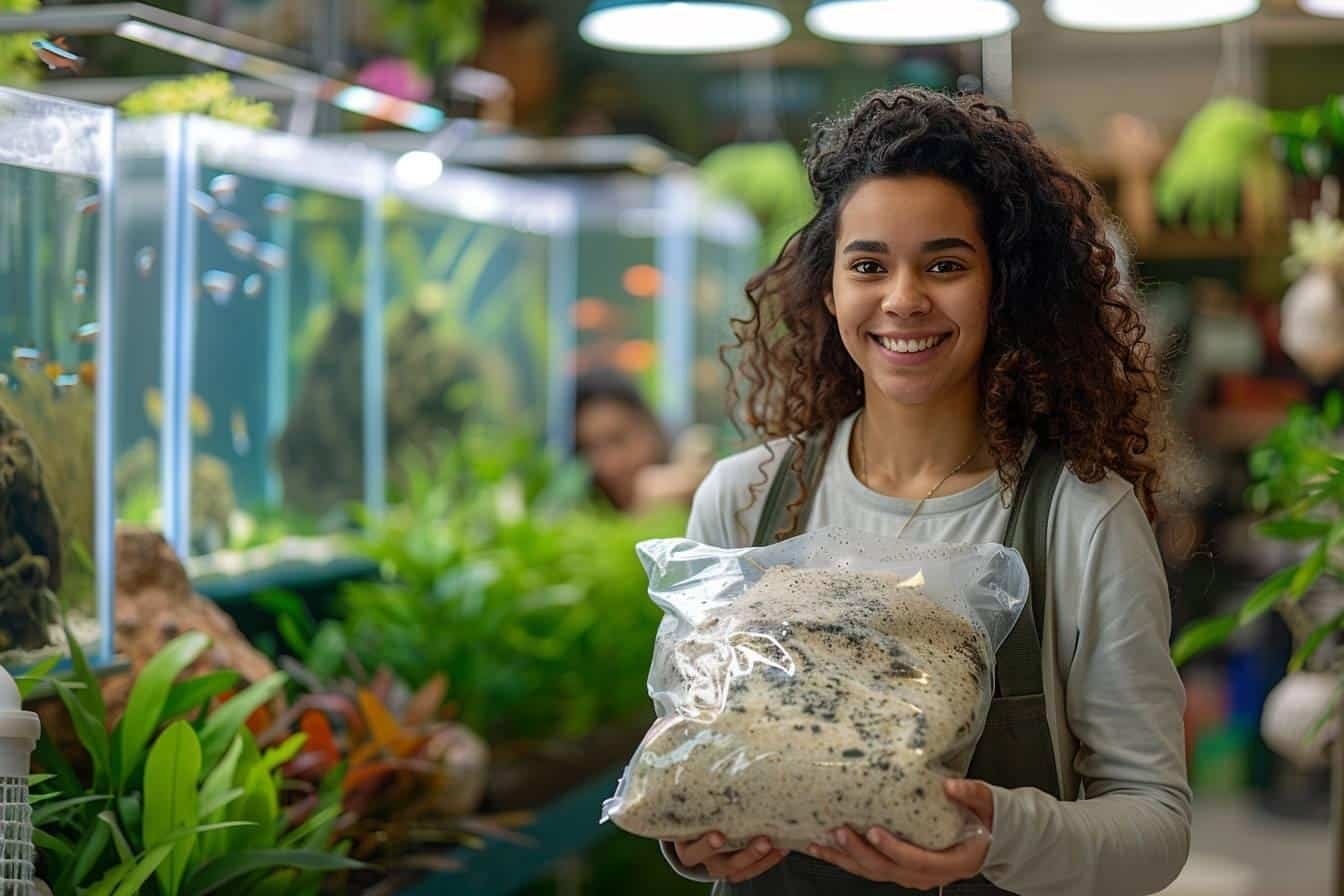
[{"x": 734, "y": 867}]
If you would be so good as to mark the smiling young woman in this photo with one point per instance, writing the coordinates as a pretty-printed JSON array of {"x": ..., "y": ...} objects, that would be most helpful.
[{"x": 946, "y": 342}]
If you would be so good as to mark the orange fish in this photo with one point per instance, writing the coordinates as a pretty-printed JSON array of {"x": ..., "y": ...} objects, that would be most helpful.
[
  {"x": 53, "y": 371},
  {"x": 636, "y": 355},
  {"x": 642, "y": 280},
  {"x": 592, "y": 314},
  {"x": 88, "y": 373}
]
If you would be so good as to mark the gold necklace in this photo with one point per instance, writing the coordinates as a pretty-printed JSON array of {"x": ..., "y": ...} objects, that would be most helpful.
[{"x": 863, "y": 463}]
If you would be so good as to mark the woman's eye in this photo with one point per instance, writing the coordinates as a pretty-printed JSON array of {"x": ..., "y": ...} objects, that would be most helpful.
[
  {"x": 946, "y": 266},
  {"x": 866, "y": 267}
]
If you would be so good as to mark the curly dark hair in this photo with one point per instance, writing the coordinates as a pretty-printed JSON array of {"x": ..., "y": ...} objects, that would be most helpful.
[{"x": 1065, "y": 355}]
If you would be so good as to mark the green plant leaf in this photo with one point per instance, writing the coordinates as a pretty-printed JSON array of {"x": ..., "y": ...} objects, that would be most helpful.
[
  {"x": 1294, "y": 529},
  {"x": 107, "y": 884},
  {"x": 90, "y": 851},
  {"x": 209, "y": 878},
  {"x": 218, "y": 782},
  {"x": 228, "y": 719},
  {"x": 51, "y": 759},
  {"x": 219, "y": 801},
  {"x": 124, "y": 851},
  {"x": 1201, "y": 636},
  {"x": 312, "y": 827},
  {"x": 50, "y": 810},
  {"x": 144, "y": 708},
  {"x": 188, "y": 695},
  {"x": 1313, "y": 641},
  {"x": 1332, "y": 410},
  {"x": 279, "y": 755},
  {"x": 90, "y": 729},
  {"x": 52, "y": 843},
  {"x": 171, "y": 772},
  {"x": 92, "y": 694},
  {"x": 1266, "y": 596},
  {"x": 35, "y": 676},
  {"x": 260, "y": 804},
  {"x": 1307, "y": 574},
  {"x": 144, "y": 870}
]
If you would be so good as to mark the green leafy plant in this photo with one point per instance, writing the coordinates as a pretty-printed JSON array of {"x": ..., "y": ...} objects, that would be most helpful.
[
  {"x": 498, "y": 574},
  {"x": 178, "y": 799},
  {"x": 770, "y": 180},
  {"x": 433, "y": 33},
  {"x": 1298, "y": 476},
  {"x": 19, "y": 65},
  {"x": 210, "y": 94}
]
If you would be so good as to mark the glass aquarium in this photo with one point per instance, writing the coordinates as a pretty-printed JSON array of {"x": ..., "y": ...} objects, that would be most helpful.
[
  {"x": 727, "y": 241},
  {"x": 56, "y": 550},
  {"x": 252, "y": 407},
  {"x": 479, "y": 290},
  {"x": 660, "y": 270}
]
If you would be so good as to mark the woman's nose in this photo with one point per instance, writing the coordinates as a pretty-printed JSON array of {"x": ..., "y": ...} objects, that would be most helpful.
[{"x": 907, "y": 296}]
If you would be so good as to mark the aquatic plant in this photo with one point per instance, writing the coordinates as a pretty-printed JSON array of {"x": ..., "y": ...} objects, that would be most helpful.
[
  {"x": 498, "y": 574},
  {"x": 210, "y": 94},
  {"x": 178, "y": 798},
  {"x": 19, "y": 65}
]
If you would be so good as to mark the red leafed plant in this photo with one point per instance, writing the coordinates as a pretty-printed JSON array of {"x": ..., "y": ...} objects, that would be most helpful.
[{"x": 410, "y": 776}]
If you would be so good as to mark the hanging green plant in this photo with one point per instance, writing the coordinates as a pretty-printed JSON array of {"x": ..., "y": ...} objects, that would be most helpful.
[
  {"x": 433, "y": 33},
  {"x": 770, "y": 180}
]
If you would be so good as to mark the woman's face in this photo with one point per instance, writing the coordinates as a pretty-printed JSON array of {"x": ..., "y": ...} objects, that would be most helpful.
[
  {"x": 617, "y": 442},
  {"x": 911, "y": 286}
]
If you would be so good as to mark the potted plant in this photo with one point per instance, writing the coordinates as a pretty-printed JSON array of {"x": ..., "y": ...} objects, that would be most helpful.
[{"x": 1298, "y": 484}]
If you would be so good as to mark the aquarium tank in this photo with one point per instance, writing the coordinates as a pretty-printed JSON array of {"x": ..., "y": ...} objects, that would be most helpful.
[
  {"x": 727, "y": 241},
  {"x": 252, "y": 407},
  {"x": 479, "y": 291},
  {"x": 56, "y": 378}
]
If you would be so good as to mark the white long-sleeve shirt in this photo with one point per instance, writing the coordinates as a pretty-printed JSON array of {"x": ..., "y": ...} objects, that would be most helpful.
[{"x": 1114, "y": 698}]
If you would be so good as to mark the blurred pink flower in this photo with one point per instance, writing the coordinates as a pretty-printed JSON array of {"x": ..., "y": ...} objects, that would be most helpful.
[{"x": 397, "y": 77}]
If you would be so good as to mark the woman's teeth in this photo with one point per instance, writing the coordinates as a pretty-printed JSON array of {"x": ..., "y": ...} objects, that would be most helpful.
[{"x": 909, "y": 346}]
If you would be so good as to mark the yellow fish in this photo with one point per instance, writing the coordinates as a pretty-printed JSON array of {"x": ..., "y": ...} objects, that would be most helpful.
[
  {"x": 53, "y": 371},
  {"x": 198, "y": 412}
]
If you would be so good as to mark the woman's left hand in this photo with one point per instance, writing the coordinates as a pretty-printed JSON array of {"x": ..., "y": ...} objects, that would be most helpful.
[{"x": 883, "y": 857}]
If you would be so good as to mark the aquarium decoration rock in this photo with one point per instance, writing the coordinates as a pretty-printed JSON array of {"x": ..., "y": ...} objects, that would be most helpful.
[{"x": 30, "y": 543}]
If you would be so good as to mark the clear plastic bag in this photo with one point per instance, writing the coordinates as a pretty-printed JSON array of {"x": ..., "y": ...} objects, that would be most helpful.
[{"x": 832, "y": 679}]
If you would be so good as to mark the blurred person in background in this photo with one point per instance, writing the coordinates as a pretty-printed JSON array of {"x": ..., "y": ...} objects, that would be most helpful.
[{"x": 635, "y": 465}]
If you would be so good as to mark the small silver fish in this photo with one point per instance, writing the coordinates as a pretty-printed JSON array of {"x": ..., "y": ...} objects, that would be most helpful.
[
  {"x": 242, "y": 441},
  {"x": 89, "y": 204},
  {"x": 277, "y": 204},
  {"x": 203, "y": 204},
  {"x": 242, "y": 243},
  {"x": 219, "y": 285},
  {"x": 226, "y": 222},
  {"x": 144, "y": 260},
  {"x": 86, "y": 332},
  {"x": 81, "y": 277},
  {"x": 80, "y": 293},
  {"x": 66, "y": 381},
  {"x": 26, "y": 356},
  {"x": 224, "y": 187},
  {"x": 271, "y": 257},
  {"x": 252, "y": 284}
]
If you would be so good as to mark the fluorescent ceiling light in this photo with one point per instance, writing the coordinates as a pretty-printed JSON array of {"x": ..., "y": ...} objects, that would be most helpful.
[
  {"x": 1333, "y": 9},
  {"x": 1146, "y": 15},
  {"x": 655, "y": 26},
  {"x": 910, "y": 21}
]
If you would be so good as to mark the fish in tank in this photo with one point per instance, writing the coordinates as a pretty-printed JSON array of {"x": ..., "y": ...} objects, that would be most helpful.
[
  {"x": 55, "y": 508},
  {"x": 253, "y": 251}
]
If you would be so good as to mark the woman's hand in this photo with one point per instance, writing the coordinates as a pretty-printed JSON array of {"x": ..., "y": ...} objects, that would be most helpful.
[
  {"x": 884, "y": 857},
  {"x": 734, "y": 867}
]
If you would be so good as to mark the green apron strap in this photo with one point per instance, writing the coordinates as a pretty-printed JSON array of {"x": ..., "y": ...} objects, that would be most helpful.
[
  {"x": 1019, "y": 659},
  {"x": 785, "y": 487}
]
